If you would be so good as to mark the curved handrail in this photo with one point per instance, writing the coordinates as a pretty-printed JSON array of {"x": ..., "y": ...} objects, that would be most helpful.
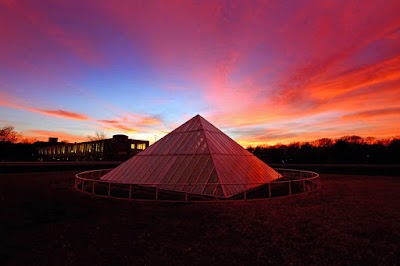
[{"x": 93, "y": 177}]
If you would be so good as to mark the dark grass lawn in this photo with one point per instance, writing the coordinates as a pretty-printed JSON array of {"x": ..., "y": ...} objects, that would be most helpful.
[{"x": 353, "y": 220}]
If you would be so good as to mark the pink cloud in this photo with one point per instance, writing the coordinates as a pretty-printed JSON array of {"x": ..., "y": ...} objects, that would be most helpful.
[
  {"x": 31, "y": 28},
  {"x": 309, "y": 59},
  {"x": 256, "y": 64}
]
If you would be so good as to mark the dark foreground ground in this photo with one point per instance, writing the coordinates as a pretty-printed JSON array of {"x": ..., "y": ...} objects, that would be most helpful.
[{"x": 353, "y": 220}]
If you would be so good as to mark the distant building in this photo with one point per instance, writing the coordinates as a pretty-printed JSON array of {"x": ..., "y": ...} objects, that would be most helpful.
[{"x": 117, "y": 148}]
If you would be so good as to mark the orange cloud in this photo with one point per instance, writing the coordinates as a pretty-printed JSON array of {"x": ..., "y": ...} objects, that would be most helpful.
[
  {"x": 373, "y": 113},
  {"x": 335, "y": 58},
  {"x": 354, "y": 90},
  {"x": 16, "y": 103},
  {"x": 150, "y": 121},
  {"x": 62, "y": 113},
  {"x": 43, "y": 135},
  {"x": 384, "y": 71},
  {"x": 108, "y": 121},
  {"x": 131, "y": 123},
  {"x": 126, "y": 129}
]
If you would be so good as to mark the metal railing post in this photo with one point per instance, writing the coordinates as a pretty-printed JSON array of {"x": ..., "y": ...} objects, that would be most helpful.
[{"x": 269, "y": 190}]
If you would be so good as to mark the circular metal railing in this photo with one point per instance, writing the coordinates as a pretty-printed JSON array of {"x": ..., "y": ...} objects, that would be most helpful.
[{"x": 293, "y": 182}]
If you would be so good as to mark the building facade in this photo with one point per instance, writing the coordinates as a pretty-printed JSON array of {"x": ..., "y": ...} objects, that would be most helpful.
[{"x": 117, "y": 148}]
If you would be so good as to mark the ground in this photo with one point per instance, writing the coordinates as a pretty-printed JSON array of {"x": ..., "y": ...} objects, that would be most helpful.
[{"x": 352, "y": 220}]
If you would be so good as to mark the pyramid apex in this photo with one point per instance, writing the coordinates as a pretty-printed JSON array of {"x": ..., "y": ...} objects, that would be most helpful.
[{"x": 197, "y": 117}]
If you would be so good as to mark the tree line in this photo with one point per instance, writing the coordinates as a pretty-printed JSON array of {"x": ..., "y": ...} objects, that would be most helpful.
[{"x": 344, "y": 150}]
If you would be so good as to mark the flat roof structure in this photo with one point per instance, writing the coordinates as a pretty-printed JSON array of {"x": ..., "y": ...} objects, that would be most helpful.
[{"x": 195, "y": 158}]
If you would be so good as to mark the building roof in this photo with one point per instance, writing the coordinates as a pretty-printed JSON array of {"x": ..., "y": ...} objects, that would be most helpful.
[{"x": 196, "y": 158}]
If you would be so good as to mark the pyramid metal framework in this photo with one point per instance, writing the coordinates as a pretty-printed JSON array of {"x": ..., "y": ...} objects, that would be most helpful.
[{"x": 195, "y": 158}]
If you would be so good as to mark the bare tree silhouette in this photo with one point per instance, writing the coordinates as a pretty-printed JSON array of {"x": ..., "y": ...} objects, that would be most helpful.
[
  {"x": 8, "y": 134},
  {"x": 98, "y": 135}
]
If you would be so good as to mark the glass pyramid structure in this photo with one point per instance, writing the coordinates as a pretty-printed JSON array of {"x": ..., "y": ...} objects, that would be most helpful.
[{"x": 196, "y": 158}]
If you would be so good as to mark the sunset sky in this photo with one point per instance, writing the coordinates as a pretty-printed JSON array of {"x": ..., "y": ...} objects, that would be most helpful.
[{"x": 264, "y": 72}]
